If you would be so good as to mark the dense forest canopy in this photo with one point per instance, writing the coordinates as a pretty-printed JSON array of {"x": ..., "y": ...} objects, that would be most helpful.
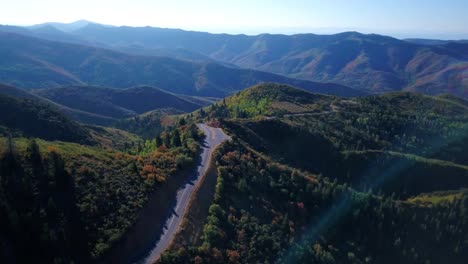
[
  {"x": 66, "y": 202},
  {"x": 305, "y": 178},
  {"x": 320, "y": 179}
]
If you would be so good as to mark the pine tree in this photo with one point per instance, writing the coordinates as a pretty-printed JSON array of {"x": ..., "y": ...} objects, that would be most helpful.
[
  {"x": 166, "y": 140},
  {"x": 202, "y": 113},
  {"x": 182, "y": 121},
  {"x": 158, "y": 141},
  {"x": 175, "y": 139}
]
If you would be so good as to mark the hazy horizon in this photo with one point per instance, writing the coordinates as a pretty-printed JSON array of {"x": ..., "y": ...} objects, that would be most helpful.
[
  {"x": 401, "y": 19},
  {"x": 291, "y": 31}
]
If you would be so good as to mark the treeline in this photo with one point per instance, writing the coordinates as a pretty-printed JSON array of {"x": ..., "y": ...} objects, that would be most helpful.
[
  {"x": 181, "y": 135},
  {"x": 39, "y": 218},
  {"x": 402, "y": 122},
  {"x": 402, "y": 175},
  {"x": 147, "y": 125}
]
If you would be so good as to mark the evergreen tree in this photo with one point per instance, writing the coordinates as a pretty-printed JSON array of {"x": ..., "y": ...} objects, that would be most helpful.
[
  {"x": 202, "y": 113},
  {"x": 175, "y": 139},
  {"x": 166, "y": 140},
  {"x": 158, "y": 141},
  {"x": 182, "y": 121}
]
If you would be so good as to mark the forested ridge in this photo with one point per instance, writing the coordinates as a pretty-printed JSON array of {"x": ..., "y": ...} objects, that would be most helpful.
[
  {"x": 265, "y": 212},
  {"x": 321, "y": 179}
]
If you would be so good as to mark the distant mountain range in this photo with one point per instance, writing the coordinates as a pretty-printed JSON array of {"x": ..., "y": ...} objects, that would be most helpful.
[
  {"x": 435, "y": 41},
  {"x": 371, "y": 63},
  {"x": 65, "y": 27},
  {"x": 35, "y": 63},
  {"x": 367, "y": 62}
]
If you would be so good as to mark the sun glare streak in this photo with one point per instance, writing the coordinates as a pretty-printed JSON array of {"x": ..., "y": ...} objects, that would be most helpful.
[{"x": 344, "y": 204}]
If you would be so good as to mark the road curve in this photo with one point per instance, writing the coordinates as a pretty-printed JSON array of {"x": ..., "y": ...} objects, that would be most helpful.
[{"x": 214, "y": 137}]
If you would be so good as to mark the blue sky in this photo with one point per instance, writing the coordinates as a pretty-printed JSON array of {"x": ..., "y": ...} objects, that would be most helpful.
[{"x": 400, "y": 18}]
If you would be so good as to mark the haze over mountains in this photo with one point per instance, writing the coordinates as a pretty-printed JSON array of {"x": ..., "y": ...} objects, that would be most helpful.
[
  {"x": 264, "y": 149},
  {"x": 65, "y": 27},
  {"x": 35, "y": 63},
  {"x": 370, "y": 63}
]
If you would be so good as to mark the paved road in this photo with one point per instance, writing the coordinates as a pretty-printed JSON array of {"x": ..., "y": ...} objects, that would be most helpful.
[{"x": 214, "y": 136}]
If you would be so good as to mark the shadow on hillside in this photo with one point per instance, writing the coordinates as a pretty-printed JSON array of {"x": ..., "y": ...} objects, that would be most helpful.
[{"x": 143, "y": 236}]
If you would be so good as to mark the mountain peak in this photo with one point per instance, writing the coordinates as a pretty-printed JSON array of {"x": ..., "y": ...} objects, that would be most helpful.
[
  {"x": 82, "y": 21},
  {"x": 65, "y": 27}
]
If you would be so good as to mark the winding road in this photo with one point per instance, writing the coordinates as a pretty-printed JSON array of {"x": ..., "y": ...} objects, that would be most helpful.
[{"x": 214, "y": 137}]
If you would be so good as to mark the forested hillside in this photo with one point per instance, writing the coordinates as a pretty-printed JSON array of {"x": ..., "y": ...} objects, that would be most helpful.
[
  {"x": 69, "y": 192},
  {"x": 118, "y": 103},
  {"x": 263, "y": 211},
  {"x": 321, "y": 179},
  {"x": 315, "y": 132},
  {"x": 34, "y": 119},
  {"x": 82, "y": 116},
  {"x": 306, "y": 178}
]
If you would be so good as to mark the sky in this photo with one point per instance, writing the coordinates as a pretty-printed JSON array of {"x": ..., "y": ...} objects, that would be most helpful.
[{"x": 444, "y": 19}]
